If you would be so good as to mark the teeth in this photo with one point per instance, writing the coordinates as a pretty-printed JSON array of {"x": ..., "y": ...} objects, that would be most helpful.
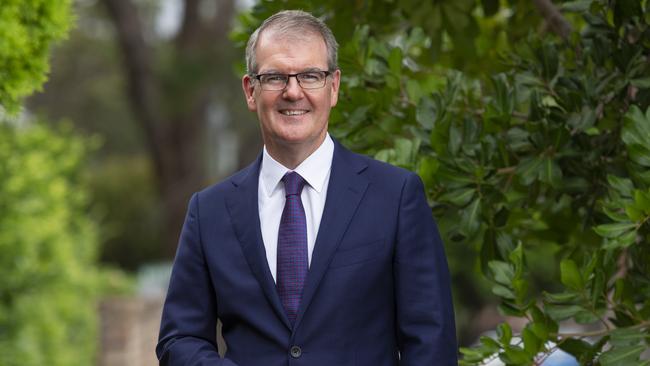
[{"x": 292, "y": 112}]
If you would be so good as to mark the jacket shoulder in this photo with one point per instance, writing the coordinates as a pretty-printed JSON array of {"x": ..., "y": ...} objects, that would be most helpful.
[{"x": 377, "y": 169}]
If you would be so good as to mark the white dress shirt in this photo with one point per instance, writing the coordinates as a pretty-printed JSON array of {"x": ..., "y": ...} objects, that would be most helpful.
[{"x": 270, "y": 196}]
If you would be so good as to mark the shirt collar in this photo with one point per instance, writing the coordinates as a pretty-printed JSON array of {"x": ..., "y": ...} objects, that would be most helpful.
[{"x": 314, "y": 169}]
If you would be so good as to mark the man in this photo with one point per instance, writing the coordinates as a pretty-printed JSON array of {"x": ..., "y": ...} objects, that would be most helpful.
[{"x": 312, "y": 255}]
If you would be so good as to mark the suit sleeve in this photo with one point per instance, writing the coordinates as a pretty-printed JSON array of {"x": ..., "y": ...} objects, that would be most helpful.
[
  {"x": 189, "y": 318},
  {"x": 424, "y": 310}
]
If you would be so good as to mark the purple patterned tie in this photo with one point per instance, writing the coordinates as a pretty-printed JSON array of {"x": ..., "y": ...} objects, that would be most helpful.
[{"x": 292, "y": 246}]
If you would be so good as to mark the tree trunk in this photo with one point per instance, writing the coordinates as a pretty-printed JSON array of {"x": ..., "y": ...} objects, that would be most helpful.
[{"x": 170, "y": 100}]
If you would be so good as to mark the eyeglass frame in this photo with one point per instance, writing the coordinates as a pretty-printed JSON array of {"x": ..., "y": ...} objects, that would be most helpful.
[{"x": 289, "y": 76}]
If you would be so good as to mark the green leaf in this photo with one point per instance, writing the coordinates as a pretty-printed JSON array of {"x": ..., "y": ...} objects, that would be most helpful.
[
  {"x": 615, "y": 215},
  {"x": 503, "y": 96},
  {"x": 458, "y": 197},
  {"x": 514, "y": 355},
  {"x": 621, "y": 290},
  {"x": 642, "y": 201},
  {"x": 405, "y": 151},
  {"x": 627, "y": 337},
  {"x": 542, "y": 322},
  {"x": 575, "y": 347},
  {"x": 532, "y": 344},
  {"x": 426, "y": 113},
  {"x": 504, "y": 333},
  {"x": 551, "y": 173},
  {"x": 427, "y": 170},
  {"x": 623, "y": 186},
  {"x": 516, "y": 257},
  {"x": 639, "y": 154},
  {"x": 636, "y": 135},
  {"x": 614, "y": 230},
  {"x": 508, "y": 309},
  {"x": 579, "y": 6},
  {"x": 470, "y": 218},
  {"x": 473, "y": 355},
  {"x": 633, "y": 213},
  {"x": 584, "y": 120},
  {"x": 455, "y": 139},
  {"x": 490, "y": 344},
  {"x": 414, "y": 91},
  {"x": 623, "y": 241},
  {"x": 561, "y": 312},
  {"x": 395, "y": 61},
  {"x": 598, "y": 286},
  {"x": 586, "y": 317},
  {"x": 503, "y": 292},
  {"x": 504, "y": 243},
  {"x": 548, "y": 58},
  {"x": 621, "y": 355},
  {"x": 520, "y": 287},
  {"x": 502, "y": 272},
  {"x": 529, "y": 169},
  {"x": 570, "y": 275},
  {"x": 642, "y": 83},
  {"x": 562, "y": 297}
]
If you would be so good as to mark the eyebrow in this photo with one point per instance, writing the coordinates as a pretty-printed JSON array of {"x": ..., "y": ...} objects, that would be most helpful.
[{"x": 275, "y": 71}]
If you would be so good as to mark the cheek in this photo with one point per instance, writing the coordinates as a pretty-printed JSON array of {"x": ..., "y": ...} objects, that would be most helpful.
[{"x": 264, "y": 105}]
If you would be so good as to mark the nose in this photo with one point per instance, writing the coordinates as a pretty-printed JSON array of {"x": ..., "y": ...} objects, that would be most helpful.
[{"x": 293, "y": 91}]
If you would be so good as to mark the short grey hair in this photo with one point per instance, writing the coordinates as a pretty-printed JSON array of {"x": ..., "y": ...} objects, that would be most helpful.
[{"x": 293, "y": 23}]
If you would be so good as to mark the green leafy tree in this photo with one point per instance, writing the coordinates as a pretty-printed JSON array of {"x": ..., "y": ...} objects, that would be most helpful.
[
  {"x": 536, "y": 170},
  {"x": 47, "y": 241},
  {"x": 47, "y": 250},
  {"x": 27, "y": 30}
]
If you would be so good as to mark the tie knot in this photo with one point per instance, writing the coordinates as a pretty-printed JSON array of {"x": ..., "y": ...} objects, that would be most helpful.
[{"x": 293, "y": 183}]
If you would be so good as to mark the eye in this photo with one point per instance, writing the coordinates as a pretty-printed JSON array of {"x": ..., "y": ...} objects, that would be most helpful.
[
  {"x": 310, "y": 77},
  {"x": 273, "y": 78}
]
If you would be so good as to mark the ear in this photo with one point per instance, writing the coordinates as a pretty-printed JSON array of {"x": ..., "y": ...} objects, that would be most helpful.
[
  {"x": 336, "y": 82},
  {"x": 248, "y": 84}
]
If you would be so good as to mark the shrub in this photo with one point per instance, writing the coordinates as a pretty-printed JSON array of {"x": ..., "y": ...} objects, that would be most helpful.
[
  {"x": 47, "y": 250},
  {"x": 27, "y": 29}
]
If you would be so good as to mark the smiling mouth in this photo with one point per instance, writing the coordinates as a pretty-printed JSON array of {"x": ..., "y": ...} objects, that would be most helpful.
[{"x": 293, "y": 112}]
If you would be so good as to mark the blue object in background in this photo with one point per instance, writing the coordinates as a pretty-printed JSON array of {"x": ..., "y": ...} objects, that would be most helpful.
[{"x": 560, "y": 358}]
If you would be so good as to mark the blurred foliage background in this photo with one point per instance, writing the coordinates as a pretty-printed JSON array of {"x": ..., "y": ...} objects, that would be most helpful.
[{"x": 528, "y": 121}]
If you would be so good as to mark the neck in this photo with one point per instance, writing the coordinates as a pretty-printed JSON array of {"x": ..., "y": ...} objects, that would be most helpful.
[{"x": 291, "y": 155}]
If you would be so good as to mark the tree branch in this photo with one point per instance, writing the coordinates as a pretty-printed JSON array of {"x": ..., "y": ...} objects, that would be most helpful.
[{"x": 554, "y": 18}]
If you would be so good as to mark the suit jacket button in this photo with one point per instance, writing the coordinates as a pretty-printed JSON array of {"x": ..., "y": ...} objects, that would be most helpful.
[{"x": 295, "y": 352}]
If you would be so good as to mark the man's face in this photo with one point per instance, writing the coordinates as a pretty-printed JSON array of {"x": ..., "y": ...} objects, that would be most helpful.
[{"x": 293, "y": 116}]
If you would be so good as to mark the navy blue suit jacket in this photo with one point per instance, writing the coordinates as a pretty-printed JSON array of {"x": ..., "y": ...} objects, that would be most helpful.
[{"x": 377, "y": 292}]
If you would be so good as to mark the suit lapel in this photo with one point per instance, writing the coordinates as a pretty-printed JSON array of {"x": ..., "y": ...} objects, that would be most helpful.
[
  {"x": 344, "y": 193},
  {"x": 244, "y": 211}
]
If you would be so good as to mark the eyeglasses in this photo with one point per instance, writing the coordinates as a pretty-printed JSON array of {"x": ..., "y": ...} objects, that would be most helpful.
[{"x": 306, "y": 80}]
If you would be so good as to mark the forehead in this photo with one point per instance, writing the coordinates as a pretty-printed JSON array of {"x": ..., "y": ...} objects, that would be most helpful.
[{"x": 290, "y": 52}]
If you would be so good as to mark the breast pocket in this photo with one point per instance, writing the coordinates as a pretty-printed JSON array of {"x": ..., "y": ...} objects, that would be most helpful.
[{"x": 357, "y": 254}]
